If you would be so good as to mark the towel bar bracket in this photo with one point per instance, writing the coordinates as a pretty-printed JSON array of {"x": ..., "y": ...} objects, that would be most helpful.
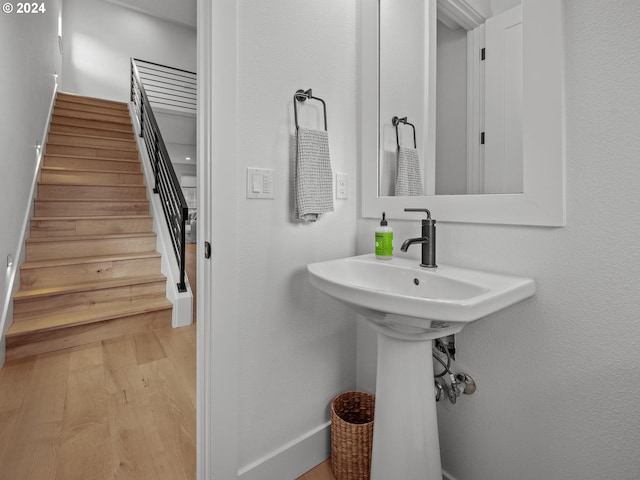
[
  {"x": 301, "y": 96},
  {"x": 396, "y": 121}
]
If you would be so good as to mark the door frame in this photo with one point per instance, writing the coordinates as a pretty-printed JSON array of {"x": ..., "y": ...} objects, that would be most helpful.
[{"x": 217, "y": 306}]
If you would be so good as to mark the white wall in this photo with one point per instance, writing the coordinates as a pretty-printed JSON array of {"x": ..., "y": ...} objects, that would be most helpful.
[
  {"x": 451, "y": 111},
  {"x": 179, "y": 135},
  {"x": 29, "y": 57},
  {"x": 100, "y": 37},
  {"x": 557, "y": 396},
  {"x": 296, "y": 344}
]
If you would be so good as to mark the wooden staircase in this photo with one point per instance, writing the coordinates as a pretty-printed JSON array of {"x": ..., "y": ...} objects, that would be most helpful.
[{"x": 91, "y": 268}]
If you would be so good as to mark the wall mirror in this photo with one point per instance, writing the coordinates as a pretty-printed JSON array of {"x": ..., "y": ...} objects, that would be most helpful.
[{"x": 463, "y": 110}]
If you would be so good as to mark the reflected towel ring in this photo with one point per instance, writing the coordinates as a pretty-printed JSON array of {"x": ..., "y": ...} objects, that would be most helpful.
[
  {"x": 302, "y": 96},
  {"x": 396, "y": 121}
]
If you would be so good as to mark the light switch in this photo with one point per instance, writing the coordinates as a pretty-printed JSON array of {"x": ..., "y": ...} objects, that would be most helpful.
[
  {"x": 260, "y": 183},
  {"x": 256, "y": 180}
]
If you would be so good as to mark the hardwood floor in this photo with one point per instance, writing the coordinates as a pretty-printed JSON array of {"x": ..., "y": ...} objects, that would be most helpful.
[
  {"x": 321, "y": 472},
  {"x": 120, "y": 408}
]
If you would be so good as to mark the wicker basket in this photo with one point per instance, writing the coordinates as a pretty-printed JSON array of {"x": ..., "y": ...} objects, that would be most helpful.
[{"x": 352, "y": 435}]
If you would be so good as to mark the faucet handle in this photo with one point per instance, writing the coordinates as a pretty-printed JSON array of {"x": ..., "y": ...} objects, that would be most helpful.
[{"x": 419, "y": 210}]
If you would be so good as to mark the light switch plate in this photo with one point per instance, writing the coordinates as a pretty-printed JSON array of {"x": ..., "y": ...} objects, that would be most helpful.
[{"x": 260, "y": 183}]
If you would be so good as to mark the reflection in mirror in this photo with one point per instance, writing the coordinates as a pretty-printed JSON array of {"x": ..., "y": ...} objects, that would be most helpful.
[
  {"x": 542, "y": 197},
  {"x": 402, "y": 87},
  {"x": 478, "y": 112}
]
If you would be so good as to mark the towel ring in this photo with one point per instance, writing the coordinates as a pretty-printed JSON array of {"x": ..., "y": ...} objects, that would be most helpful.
[
  {"x": 396, "y": 121},
  {"x": 302, "y": 96}
]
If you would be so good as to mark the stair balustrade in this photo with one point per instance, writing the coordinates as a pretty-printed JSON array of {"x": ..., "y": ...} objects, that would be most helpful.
[{"x": 173, "y": 88}]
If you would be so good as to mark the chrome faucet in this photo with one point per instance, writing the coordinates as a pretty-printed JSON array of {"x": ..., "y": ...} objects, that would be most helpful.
[{"x": 428, "y": 239}]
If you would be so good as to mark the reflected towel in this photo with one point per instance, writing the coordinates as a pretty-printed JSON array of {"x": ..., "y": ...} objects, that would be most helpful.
[
  {"x": 313, "y": 178},
  {"x": 408, "y": 176}
]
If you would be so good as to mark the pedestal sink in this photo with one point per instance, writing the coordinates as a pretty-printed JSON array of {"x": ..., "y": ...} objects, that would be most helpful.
[{"x": 409, "y": 306}]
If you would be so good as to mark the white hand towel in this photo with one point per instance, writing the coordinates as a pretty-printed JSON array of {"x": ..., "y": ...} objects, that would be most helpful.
[
  {"x": 313, "y": 178},
  {"x": 408, "y": 177}
]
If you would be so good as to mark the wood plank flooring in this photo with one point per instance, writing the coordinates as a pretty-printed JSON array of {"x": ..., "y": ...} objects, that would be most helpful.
[
  {"x": 122, "y": 408},
  {"x": 321, "y": 472}
]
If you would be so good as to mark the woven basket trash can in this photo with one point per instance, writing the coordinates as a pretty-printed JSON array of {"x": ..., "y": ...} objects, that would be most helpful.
[{"x": 352, "y": 435}]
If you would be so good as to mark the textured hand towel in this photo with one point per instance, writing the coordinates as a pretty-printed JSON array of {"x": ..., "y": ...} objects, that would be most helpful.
[
  {"x": 408, "y": 177},
  {"x": 313, "y": 178}
]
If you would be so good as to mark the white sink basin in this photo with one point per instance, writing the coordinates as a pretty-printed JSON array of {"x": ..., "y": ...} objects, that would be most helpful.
[
  {"x": 409, "y": 306},
  {"x": 413, "y": 301}
]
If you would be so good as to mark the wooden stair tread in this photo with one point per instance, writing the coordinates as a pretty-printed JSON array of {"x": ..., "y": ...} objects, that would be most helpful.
[
  {"x": 106, "y": 110},
  {"x": 100, "y": 236},
  {"x": 65, "y": 204},
  {"x": 84, "y": 157},
  {"x": 116, "y": 108},
  {"x": 61, "y": 120},
  {"x": 91, "y": 217},
  {"x": 102, "y": 313},
  {"x": 86, "y": 199},
  {"x": 93, "y": 116},
  {"x": 93, "y": 151},
  {"x": 69, "y": 121},
  {"x": 102, "y": 131},
  {"x": 25, "y": 294},
  {"x": 58, "y": 262},
  {"x": 83, "y": 170},
  {"x": 68, "y": 137},
  {"x": 68, "y": 96},
  {"x": 123, "y": 185}
]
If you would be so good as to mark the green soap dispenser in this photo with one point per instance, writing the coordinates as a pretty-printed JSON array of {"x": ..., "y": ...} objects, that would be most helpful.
[{"x": 384, "y": 240}]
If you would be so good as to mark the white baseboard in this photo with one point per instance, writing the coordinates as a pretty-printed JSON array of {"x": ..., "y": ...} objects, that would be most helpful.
[
  {"x": 447, "y": 476},
  {"x": 293, "y": 459},
  {"x": 297, "y": 457},
  {"x": 13, "y": 274},
  {"x": 3, "y": 349}
]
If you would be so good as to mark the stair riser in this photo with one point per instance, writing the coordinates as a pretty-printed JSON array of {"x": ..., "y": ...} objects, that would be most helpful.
[
  {"x": 90, "y": 178},
  {"x": 92, "y": 192},
  {"x": 64, "y": 121},
  {"x": 103, "y": 110},
  {"x": 73, "y": 227},
  {"x": 93, "y": 142},
  {"x": 98, "y": 102},
  {"x": 130, "y": 166},
  {"x": 95, "y": 132},
  {"x": 82, "y": 208},
  {"x": 88, "y": 272},
  {"x": 83, "y": 301},
  {"x": 101, "y": 117},
  {"x": 85, "y": 248},
  {"x": 55, "y": 149},
  {"x": 51, "y": 341}
]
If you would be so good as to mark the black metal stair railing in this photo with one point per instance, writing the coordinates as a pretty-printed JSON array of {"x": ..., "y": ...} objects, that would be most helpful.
[
  {"x": 167, "y": 87},
  {"x": 166, "y": 183}
]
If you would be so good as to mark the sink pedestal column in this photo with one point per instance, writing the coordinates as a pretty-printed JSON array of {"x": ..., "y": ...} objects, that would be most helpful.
[{"x": 405, "y": 430}]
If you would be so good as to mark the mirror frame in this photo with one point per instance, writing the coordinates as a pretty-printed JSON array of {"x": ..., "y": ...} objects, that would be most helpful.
[{"x": 543, "y": 202}]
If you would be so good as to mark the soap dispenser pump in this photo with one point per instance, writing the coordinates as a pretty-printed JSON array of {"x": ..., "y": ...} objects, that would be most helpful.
[{"x": 384, "y": 240}]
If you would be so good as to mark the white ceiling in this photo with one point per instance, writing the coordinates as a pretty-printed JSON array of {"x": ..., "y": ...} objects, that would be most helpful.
[{"x": 177, "y": 11}]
